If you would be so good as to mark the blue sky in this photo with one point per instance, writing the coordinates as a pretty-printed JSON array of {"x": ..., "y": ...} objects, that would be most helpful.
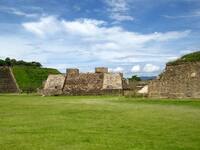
[{"x": 130, "y": 36}]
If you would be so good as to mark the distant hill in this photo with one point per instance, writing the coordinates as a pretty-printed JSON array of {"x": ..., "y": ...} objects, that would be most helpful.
[
  {"x": 144, "y": 78},
  {"x": 29, "y": 78},
  {"x": 192, "y": 57}
]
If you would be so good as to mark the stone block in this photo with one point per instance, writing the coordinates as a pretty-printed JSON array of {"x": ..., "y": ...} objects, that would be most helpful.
[
  {"x": 101, "y": 70},
  {"x": 71, "y": 73}
]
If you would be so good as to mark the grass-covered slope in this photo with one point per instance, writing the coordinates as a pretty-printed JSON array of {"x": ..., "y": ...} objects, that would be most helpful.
[
  {"x": 98, "y": 123},
  {"x": 30, "y": 78},
  {"x": 192, "y": 57}
]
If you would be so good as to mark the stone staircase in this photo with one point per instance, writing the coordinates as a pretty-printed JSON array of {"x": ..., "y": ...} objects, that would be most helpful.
[{"x": 7, "y": 81}]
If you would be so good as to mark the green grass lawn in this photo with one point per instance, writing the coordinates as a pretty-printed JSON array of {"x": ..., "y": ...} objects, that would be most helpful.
[{"x": 98, "y": 123}]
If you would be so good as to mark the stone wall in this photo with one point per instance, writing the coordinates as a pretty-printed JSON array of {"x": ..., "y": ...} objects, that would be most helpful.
[
  {"x": 7, "y": 81},
  {"x": 177, "y": 81},
  {"x": 84, "y": 84},
  {"x": 112, "y": 81},
  {"x": 54, "y": 85},
  {"x": 72, "y": 73},
  {"x": 76, "y": 83},
  {"x": 101, "y": 70}
]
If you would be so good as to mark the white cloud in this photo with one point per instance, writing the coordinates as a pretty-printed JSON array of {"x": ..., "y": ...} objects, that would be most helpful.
[
  {"x": 95, "y": 30},
  {"x": 187, "y": 15},
  {"x": 121, "y": 17},
  {"x": 119, "y": 10},
  {"x": 19, "y": 49},
  {"x": 136, "y": 68},
  {"x": 18, "y": 12},
  {"x": 86, "y": 43},
  {"x": 151, "y": 68},
  {"x": 85, "y": 27},
  {"x": 118, "y": 5},
  {"x": 172, "y": 58},
  {"x": 21, "y": 13},
  {"x": 186, "y": 52},
  {"x": 170, "y": 35},
  {"x": 46, "y": 25},
  {"x": 94, "y": 39},
  {"x": 117, "y": 69}
]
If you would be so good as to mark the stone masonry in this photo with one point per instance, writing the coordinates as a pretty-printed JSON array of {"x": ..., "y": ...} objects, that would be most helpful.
[
  {"x": 177, "y": 81},
  {"x": 7, "y": 81},
  {"x": 54, "y": 85},
  {"x": 75, "y": 83}
]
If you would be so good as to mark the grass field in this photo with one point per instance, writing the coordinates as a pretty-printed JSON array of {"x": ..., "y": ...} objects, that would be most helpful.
[{"x": 98, "y": 123}]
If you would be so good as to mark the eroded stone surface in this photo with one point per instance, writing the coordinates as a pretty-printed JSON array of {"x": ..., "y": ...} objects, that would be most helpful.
[
  {"x": 76, "y": 83},
  {"x": 54, "y": 85},
  {"x": 112, "y": 81},
  {"x": 84, "y": 84},
  {"x": 177, "y": 81},
  {"x": 7, "y": 81}
]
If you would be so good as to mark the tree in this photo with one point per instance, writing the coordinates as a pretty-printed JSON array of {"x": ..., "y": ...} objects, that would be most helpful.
[
  {"x": 20, "y": 62},
  {"x": 37, "y": 64},
  {"x": 8, "y": 61},
  {"x": 2, "y": 62},
  {"x": 135, "y": 78},
  {"x": 13, "y": 62}
]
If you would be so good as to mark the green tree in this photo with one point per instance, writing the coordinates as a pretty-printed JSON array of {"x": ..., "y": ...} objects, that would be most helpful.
[
  {"x": 8, "y": 61},
  {"x": 2, "y": 62},
  {"x": 135, "y": 78},
  {"x": 37, "y": 64},
  {"x": 13, "y": 62}
]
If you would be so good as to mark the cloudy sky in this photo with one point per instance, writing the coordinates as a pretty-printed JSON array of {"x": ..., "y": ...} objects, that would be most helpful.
[{"x": 133, "y": 36}]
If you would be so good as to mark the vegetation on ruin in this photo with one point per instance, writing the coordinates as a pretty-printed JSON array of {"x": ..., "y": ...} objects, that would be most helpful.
[
  {"x": 14, "y": 62},
  {"x": 99, "y": 123},
  {"x": 192, "y": 57},
  {"x": 30, "y": 78}
]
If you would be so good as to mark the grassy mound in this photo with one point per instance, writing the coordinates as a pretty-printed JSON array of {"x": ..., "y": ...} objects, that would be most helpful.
[
  {"x": 30, "y": 78},
  {"x": 192, "y": 57}
]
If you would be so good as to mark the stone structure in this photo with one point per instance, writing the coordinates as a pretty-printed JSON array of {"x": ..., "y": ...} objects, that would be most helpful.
[
  {"x": 136, "y": 88},
  {"x": 71, "y": 73},
  {"x": 101, "y": 70},
  {"x": 54, "y": 85},
  {"x": 75, "y": 83},
  {"x": 177, "y": 81},
  {"x": 8, "y": 83},
  {"x": 112, "y": 81}
]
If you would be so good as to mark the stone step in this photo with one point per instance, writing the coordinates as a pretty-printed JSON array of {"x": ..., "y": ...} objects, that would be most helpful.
[{"x": 7, "y": 83}]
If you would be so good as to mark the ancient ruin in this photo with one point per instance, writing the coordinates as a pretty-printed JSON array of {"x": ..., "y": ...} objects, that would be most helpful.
[
  {"x": 8, "y": 83},
  {"x": 180, "y": 80},
  {"x": 54, "y": 85},
  {"x": 136, "y": 88},
  {"x": 75, "y": 83}
]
